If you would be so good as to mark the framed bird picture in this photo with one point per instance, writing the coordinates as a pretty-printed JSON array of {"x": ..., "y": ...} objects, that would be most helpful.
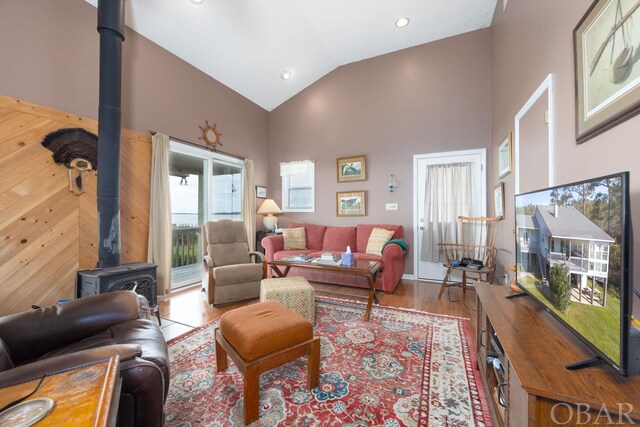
[{"x": 351, "y": 168}]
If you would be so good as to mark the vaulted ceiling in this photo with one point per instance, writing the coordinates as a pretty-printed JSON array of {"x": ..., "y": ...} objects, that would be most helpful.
[{"x": 248, "y": 44}]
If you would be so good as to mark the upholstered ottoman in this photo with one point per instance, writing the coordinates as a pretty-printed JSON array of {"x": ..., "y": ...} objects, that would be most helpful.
[
  {"x": 293, "y": 292},
  {"x": 260, "y": 337}
]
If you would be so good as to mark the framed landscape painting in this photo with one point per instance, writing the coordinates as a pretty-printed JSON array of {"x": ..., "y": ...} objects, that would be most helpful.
[
  {"x": 351, "y": 203},
  {"x": 351, "y": 169},
  {"x": 607, "y": 67}
]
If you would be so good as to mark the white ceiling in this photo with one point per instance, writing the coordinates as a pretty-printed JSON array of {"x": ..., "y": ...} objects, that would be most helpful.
[{"x": 246, "y": 44}]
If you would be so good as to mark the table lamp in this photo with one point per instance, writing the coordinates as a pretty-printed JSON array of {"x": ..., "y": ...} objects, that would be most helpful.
[{"x": 269, "y": 208}]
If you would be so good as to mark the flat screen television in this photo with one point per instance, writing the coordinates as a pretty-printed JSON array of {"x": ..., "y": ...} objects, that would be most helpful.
[{"x": 573, "y": 255}]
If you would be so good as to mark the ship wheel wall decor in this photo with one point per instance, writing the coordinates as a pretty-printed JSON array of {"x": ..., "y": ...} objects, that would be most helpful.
[{"x": 211, "y": 135}]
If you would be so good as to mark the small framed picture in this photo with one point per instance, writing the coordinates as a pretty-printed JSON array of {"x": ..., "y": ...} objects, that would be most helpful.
[
  {"x": 261, "y": 192},
  {"x": 351, "y": 169},
  {"x": 505, "y": 156},
  {"x": 498, "y": 200},
  {"x": 351, "y": 203}
]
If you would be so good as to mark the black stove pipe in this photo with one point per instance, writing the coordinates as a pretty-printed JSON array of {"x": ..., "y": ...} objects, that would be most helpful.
[{"x": 111, "y": 29}]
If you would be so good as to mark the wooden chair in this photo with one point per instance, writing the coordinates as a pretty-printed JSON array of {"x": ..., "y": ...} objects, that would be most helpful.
[{"x": 477, "y": 242}]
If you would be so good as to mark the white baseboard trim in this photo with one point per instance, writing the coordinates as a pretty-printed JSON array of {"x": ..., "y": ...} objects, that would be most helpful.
[{"x": 408, "y": 277}]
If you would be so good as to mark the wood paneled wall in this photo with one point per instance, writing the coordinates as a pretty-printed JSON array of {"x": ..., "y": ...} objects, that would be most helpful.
[{"x": 46, "y": 233}]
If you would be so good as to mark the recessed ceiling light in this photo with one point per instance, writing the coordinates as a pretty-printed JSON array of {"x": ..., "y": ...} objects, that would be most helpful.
[
  {"x": 402, "y": 22},
  {"x": 285, "y": 75},
  {"x": 196, "y": 1}
]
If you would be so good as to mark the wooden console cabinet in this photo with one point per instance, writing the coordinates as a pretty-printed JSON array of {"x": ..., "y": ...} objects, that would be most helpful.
[{"x": 533, "y": 388}]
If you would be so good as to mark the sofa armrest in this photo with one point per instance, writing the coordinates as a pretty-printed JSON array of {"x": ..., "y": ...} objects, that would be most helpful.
[
  {"x": 65, "y": 362},
  {"x": 259, "y": 255},
  {"x": 392, "y": 251},
  {"x": 33, "y": 333},
  {"x": 393, "y": 265},
  {"x": 144, "y": 309},
  {"x": 271, "y": 245}
]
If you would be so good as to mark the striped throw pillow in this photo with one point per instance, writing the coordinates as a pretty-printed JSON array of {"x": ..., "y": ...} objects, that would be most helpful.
[{"x": 377, "y": 240}]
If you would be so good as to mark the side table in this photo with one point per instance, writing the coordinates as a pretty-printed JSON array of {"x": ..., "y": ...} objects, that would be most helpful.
[
  {"x": 261, "y": 234},
  {"x": 84, "y": 396}
]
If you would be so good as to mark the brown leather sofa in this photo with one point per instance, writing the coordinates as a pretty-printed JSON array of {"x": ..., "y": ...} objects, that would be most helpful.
[{"x": 63, "y": 336}]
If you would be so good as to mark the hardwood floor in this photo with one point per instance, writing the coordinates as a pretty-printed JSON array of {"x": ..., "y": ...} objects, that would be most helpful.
[{"x": 188, "y": 308}]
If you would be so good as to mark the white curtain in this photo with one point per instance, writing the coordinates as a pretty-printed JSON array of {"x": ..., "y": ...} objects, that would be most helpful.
[
  {"x": 447, "y": 196},
  {"x": 249, "y": 203},
  {"x": 159, "y": 251}
]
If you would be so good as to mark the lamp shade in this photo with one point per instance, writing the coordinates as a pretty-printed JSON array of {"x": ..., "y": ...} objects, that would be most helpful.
[{"x": 269, "y": 207}]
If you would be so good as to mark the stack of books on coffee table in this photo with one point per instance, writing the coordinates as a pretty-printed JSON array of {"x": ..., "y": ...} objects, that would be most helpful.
[{"x": 327, "y": 258}]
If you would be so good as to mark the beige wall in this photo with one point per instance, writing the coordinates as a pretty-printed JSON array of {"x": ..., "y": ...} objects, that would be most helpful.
[
  {"x": 529, "y": 41},
  {"x": 426, "y": 99},
  {"x": 458, "y": 93},
  {"x": 49, "y": 55}
]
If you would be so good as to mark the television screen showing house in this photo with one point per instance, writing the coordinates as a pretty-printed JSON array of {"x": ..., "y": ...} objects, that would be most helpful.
[{"x": 568, "y": 256}]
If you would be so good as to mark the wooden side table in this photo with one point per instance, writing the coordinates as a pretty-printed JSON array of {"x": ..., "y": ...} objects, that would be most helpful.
[
  {"x": 261, "y": 234},
  {"x": 86, "y": 396}
]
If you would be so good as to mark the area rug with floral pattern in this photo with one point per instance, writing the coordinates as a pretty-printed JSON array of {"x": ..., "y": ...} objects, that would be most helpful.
[{"x": 402, "y": 368}]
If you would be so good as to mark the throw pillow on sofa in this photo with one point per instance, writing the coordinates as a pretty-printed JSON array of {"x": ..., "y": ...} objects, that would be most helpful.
[
  {"x": 377, "y": 240},
  {"x": 294, "y": 238}
]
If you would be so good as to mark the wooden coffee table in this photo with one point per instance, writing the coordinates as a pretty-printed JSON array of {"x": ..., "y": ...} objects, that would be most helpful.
[{"x": 367, "y": 269}]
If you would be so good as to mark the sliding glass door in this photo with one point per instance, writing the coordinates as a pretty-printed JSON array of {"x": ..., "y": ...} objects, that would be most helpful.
[
  {"x": 205, "y": 186},
  {"x": 226, "y": 191}
]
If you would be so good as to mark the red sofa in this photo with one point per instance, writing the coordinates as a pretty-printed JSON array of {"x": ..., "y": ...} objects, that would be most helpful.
[{"x": 335, "y": 240}]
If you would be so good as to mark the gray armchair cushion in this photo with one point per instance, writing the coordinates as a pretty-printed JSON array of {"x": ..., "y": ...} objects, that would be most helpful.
[
  {"x": 227, "y": 242},
  {"x": 225, "y": 231},
  {"x": 229, "y": 254},
  {"x": 232, "y": 274}
]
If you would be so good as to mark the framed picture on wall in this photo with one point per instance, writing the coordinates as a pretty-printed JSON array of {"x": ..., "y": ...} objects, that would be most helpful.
[
  {"x": 351, "y": 203},
  {"x": 498, "y": 200},
  {"x": 505, "y": 156},
  {"x": 351, "y": 169},
  {"x": 261, "y": 192},
  {"x": 606, "y": 68}
]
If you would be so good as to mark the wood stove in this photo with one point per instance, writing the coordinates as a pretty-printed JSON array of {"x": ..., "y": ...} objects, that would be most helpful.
[
  {"x": 139, "y": 277},
  {"x": 110, "y": 275}
]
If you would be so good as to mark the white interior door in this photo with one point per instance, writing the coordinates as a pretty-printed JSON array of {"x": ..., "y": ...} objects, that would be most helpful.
[{"x": 426, "y": 270}]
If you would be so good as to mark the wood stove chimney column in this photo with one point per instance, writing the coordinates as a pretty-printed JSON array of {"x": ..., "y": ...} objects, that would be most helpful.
[{"x": 111, "y": 29}]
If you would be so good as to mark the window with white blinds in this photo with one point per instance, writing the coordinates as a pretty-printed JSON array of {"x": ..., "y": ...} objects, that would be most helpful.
[{"x": 298, "y": 186}]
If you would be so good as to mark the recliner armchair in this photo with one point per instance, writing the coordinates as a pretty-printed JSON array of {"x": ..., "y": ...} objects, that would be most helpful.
[
  {"x": 64, "y": 336},
  {"x": 228, "y": 274}
]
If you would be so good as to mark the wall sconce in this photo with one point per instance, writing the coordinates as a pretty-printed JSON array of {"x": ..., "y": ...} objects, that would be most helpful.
[{"x": 392, "y": 184}]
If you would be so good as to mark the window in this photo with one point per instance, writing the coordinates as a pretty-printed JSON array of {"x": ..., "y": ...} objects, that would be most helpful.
[{"x": 298, "y": 186}]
